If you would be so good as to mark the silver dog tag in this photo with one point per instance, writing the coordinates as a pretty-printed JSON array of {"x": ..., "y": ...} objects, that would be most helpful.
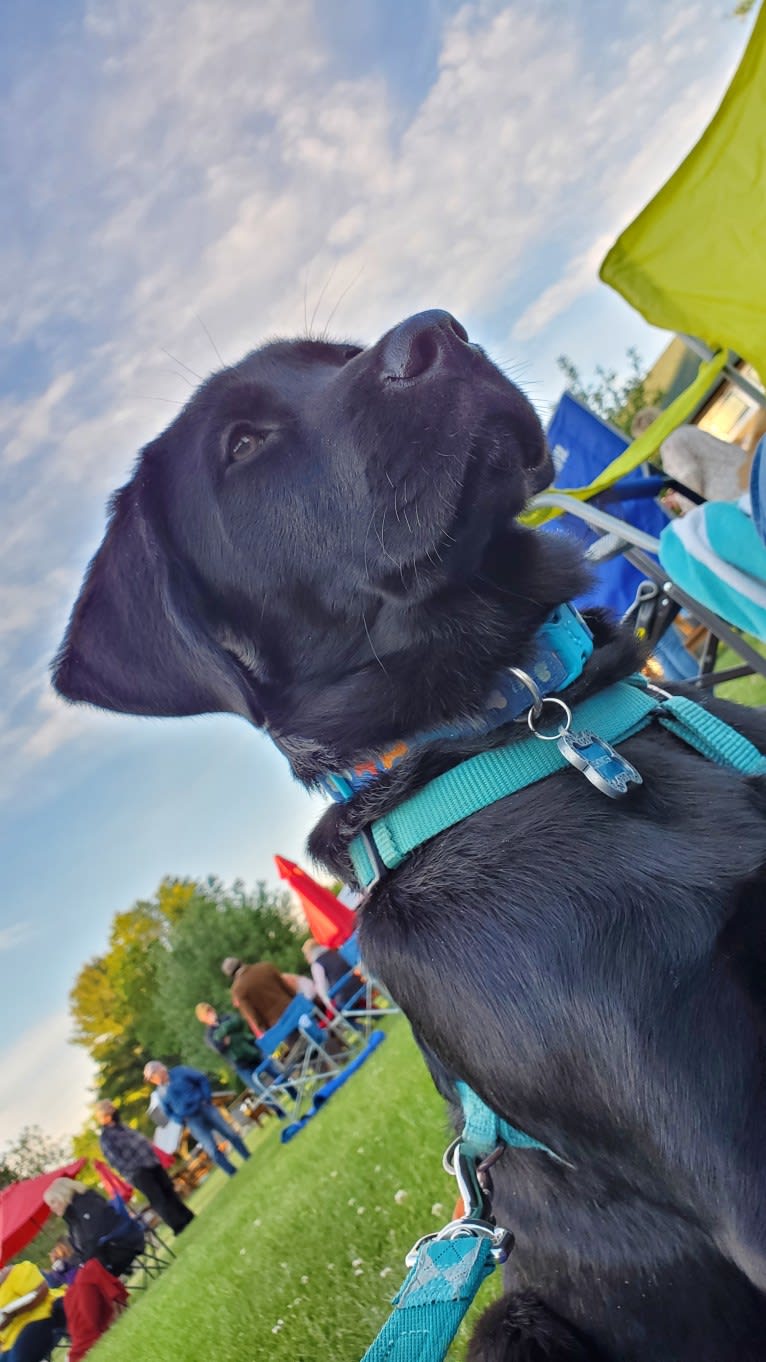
[{"x": 599, "y": 763}]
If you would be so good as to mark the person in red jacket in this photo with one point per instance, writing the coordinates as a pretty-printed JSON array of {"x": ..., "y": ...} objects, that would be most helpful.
[{"x": 91, "y": 1305}]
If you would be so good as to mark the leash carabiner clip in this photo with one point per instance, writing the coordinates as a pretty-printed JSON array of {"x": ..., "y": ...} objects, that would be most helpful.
[
  {"x": 465, "y": 1228},
  {"x": 464, "y": 1169},
  {"x": 477, "y": 1220}
]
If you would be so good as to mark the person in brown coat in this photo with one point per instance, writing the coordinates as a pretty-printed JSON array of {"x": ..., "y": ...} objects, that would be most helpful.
[{"x": 259, "y": 991}]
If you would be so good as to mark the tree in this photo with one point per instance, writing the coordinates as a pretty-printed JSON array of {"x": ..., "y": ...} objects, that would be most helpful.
[
  {"x": 613, "y": 399},
  {"x": 113, "y": 999},
  {"x": 32, "y": 1152},
  {"x": 136, "y": 1001},
  {"x": 253, "y": 925}
]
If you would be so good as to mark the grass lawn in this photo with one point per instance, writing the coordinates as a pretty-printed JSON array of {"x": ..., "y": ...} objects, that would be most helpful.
[
  {"x": 748, "y": 690},
  {"x": 296, "y": 1258}
]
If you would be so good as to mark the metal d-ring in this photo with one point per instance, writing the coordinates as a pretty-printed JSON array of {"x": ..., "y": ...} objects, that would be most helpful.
[
  {"x": 565, "y": 727},
  {"x": 526, "y": 680}
]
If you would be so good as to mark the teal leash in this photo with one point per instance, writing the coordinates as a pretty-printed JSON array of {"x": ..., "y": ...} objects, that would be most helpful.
[
  {"x": 448, "y": 1267},
  {"x": 433, "y": 1300}
]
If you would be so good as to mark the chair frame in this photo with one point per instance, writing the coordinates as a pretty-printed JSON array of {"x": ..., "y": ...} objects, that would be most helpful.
[
  {"x": 617, "y": 536},
  {"x": 306, "y": 1064}
]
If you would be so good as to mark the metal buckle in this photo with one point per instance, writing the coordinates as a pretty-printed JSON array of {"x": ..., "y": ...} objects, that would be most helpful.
[
  {"x": 377, "y": 864},
  {"x": 532, "y": 687},
  {"x": 502, "y": 1239}
]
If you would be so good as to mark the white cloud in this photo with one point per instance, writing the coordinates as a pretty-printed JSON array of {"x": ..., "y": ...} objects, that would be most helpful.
[
  {"x": 15, "y": 934},
  {"x": 671, "y": 110},
  {"x": 578, "y": 278},
  {"x": 33, "y": 423},
  {"x": 44, "y": 1081},
  {"x": 220, "y": 168}
]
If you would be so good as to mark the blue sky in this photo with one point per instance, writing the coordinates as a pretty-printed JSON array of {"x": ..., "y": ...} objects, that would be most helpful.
[{"x": 193, "y": 170}]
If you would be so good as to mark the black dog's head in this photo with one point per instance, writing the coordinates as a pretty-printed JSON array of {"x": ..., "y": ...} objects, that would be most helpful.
[{"x": 324, "y": 542}]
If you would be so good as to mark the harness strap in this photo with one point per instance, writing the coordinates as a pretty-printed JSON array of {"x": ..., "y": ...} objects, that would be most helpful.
[
  {"x": 615, "y": 713},
  {"x": 716, "y": 740},
  {"x": 483, "y": 1130}
]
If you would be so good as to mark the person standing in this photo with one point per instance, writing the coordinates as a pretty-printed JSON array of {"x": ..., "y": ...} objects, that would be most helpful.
[
  {"x": 186, "y": 1097},
  {"x": 259, "y": 991},
  {"x": 231, "y": 1038},
  {"x": 132, "y": 1155}
]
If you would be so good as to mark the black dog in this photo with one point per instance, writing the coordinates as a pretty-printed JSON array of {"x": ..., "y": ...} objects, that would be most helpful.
[{"x": 325, "y": 542}]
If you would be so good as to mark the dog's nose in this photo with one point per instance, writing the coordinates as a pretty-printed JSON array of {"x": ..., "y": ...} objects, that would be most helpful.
[{"x": 414, "y": 347}]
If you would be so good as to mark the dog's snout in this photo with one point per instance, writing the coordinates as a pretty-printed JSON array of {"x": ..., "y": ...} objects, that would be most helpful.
[{"x": 414, "y": 347}]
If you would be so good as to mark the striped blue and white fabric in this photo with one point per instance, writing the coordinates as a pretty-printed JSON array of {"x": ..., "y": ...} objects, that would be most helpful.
[{"x": 715, "y": 553}]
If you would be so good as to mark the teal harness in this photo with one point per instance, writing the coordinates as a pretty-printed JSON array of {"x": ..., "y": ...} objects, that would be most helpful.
[
  {"x": 613, "y": 715},
  {"x": 447, "y": 1268}
]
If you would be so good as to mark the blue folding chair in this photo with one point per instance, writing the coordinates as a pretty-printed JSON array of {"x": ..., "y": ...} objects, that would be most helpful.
[
  {"x": 358, "y": 1007},
  {"x": 307, "y": 1060},
  {"x": 134, "y": 1247}
]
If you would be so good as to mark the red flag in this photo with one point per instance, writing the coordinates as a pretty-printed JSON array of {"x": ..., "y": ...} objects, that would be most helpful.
[{"x": 330, "y": 922}]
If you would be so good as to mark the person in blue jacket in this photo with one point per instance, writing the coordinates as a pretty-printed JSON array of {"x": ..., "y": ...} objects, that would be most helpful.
[{"x": 186, "y": 1097}]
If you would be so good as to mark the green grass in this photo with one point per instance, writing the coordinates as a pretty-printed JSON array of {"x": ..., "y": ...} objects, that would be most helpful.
[
  {"x": 748, "y": 690},
  {"x": 296, "y": 1258}
]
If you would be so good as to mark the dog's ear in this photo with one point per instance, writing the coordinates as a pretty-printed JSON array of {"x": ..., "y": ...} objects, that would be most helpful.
[{"x": 136, "y": 641}]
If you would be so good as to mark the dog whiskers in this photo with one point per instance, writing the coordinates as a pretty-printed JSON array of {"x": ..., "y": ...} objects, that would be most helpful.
[
  {"x": 187, "y": 367},
  {"x": 176, "y": 374},
  {"x": 389, "y": 556},
  {"x": 404, "y": 508},
  {"x": 216, "y": 351},
  {"x": 366, "y": 538},
  {"x": 322, "y": 292},
  {"x": 372, "y": 645},
  {"x": 506, "y": 591},
  {"x": 346, "y": 290}
]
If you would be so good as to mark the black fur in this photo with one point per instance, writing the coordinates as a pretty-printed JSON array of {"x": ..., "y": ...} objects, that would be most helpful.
[{"x": 594, "y": 969}]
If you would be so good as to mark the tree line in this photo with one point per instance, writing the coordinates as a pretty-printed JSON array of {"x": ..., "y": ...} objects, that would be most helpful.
[{"x": 136, "y": 1001}]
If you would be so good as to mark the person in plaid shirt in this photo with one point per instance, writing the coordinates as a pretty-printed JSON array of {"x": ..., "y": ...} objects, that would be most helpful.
[{"x": 132, "y": 1155}]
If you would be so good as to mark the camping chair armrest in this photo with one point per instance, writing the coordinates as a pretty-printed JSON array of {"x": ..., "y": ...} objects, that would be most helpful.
[{"x": 599, "y": 520}]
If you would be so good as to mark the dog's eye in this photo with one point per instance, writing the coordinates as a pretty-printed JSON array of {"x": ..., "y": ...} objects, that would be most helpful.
[
  {"x": 349, "y": 352},
  {"x": 243, "y": 441}
]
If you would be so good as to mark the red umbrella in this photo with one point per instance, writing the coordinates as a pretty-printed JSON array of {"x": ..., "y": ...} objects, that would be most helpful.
[
  {"x": 114, "y": 1184},
  {"x": 23, "y": 1211},
  {"x": 330, "y": 922}
]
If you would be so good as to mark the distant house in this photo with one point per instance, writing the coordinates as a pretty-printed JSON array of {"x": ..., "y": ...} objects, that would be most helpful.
[{"x": 725, "y": 412}]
